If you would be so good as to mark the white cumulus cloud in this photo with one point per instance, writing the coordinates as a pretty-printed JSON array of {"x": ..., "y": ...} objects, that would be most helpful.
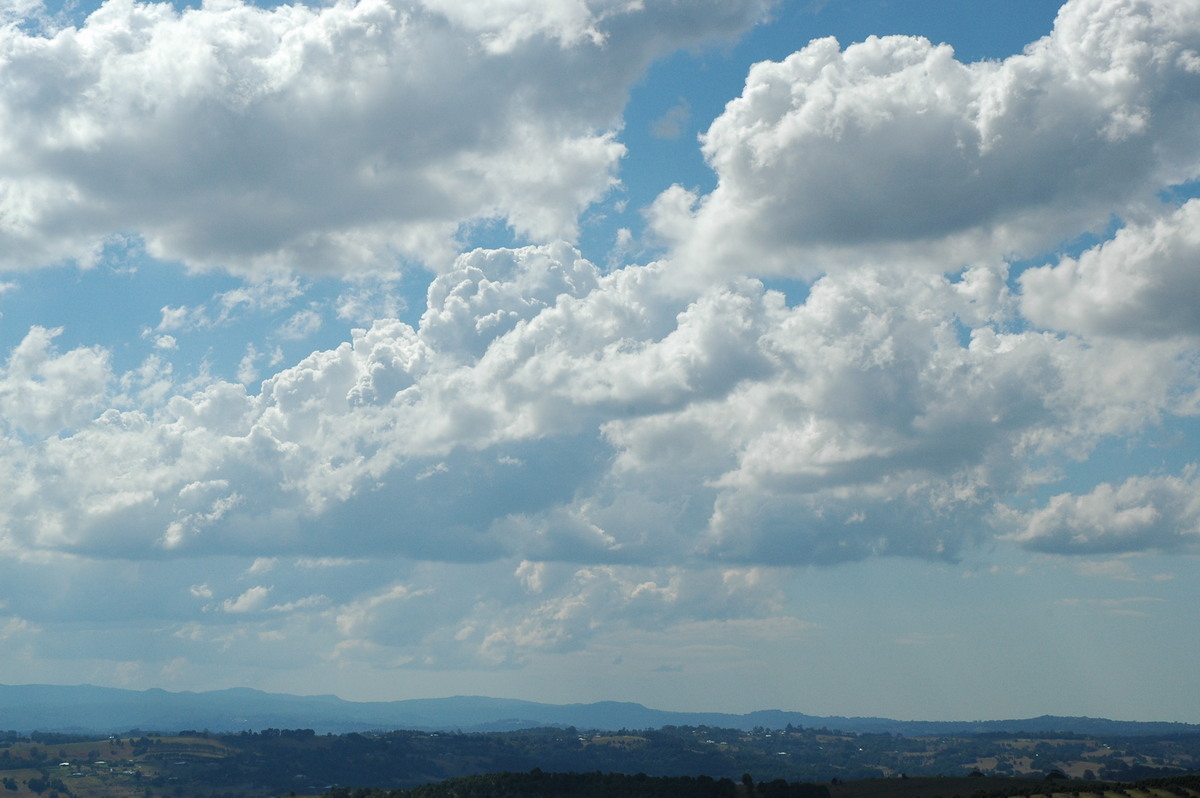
[
  {"x": 1153, "y": 513},
  {"x": 891, "y": 149},
  {"x": 1142, "y": 284},
  {"x": 336, "y": 138}
]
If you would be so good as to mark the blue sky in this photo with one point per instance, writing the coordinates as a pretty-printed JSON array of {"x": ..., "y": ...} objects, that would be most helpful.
[{"x": 831, "y": 356}]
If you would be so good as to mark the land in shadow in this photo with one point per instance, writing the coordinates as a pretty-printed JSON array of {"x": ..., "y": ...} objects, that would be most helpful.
[{"x": 274, "y": 762}]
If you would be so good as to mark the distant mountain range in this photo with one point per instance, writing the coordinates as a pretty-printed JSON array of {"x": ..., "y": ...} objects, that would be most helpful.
[{"x": 86, "y": 708}]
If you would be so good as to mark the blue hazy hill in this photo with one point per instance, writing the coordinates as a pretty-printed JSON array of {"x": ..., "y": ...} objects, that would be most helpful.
[{"x": 87, "y": 708}]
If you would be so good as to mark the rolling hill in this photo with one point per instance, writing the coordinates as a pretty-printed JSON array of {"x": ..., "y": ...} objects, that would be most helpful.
[{"x": 87, "y": 708}]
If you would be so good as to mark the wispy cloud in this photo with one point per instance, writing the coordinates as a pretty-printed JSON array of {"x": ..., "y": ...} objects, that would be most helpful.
[
  {"x": 1137, "y": 606},
  {"x": 672, "y": 124}
]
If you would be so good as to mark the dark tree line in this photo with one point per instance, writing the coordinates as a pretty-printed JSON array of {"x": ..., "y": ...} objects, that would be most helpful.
[{"x": 539, "y": 784}]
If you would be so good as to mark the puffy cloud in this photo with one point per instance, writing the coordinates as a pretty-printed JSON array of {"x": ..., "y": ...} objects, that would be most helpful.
[
  {"x": 614, "y": 458},
  {"x": 1141, "y": 284},
  {"x": 302, "y": 324},
  {"x": 43, "y": 391},
  {"x": 363, "y": 303},
  {"x": 502, "y": 24},
  {"x": 22, "y": 11},
  {"x": 253, "y": 599},
  {"x": 328, "y": 138},
  {"x": 892, "y": 149},
  {"x": 488, "y": 292},
  {"x": 1157, "y": 513},
  {"x": 875, "y": 431},
  {"x": 545, "y": 411}
]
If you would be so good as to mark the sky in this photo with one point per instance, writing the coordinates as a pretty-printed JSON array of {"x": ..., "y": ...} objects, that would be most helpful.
[{"x": 837, "y": 357}]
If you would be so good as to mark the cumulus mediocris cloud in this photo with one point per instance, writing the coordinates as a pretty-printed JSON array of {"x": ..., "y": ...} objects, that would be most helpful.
[
  {"x": 859, "y": 422},
  {"x": 1153, "y": 513},
  {"x": 1142, "y": 284},
  {"x": 892, "y": 150},
  {"x": 332, "y": 139}
]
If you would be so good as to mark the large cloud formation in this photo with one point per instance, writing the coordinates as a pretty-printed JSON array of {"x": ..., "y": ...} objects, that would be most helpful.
[
  {"x": 330, "y": 138},
  {"x": 556, "y": 451},
  {"x": 892, "y": 149},
  {"x": 1141, "y": 284}
]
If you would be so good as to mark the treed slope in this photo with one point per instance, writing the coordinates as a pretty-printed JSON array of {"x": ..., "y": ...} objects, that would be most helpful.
[{"x": 538, "y": 784}]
